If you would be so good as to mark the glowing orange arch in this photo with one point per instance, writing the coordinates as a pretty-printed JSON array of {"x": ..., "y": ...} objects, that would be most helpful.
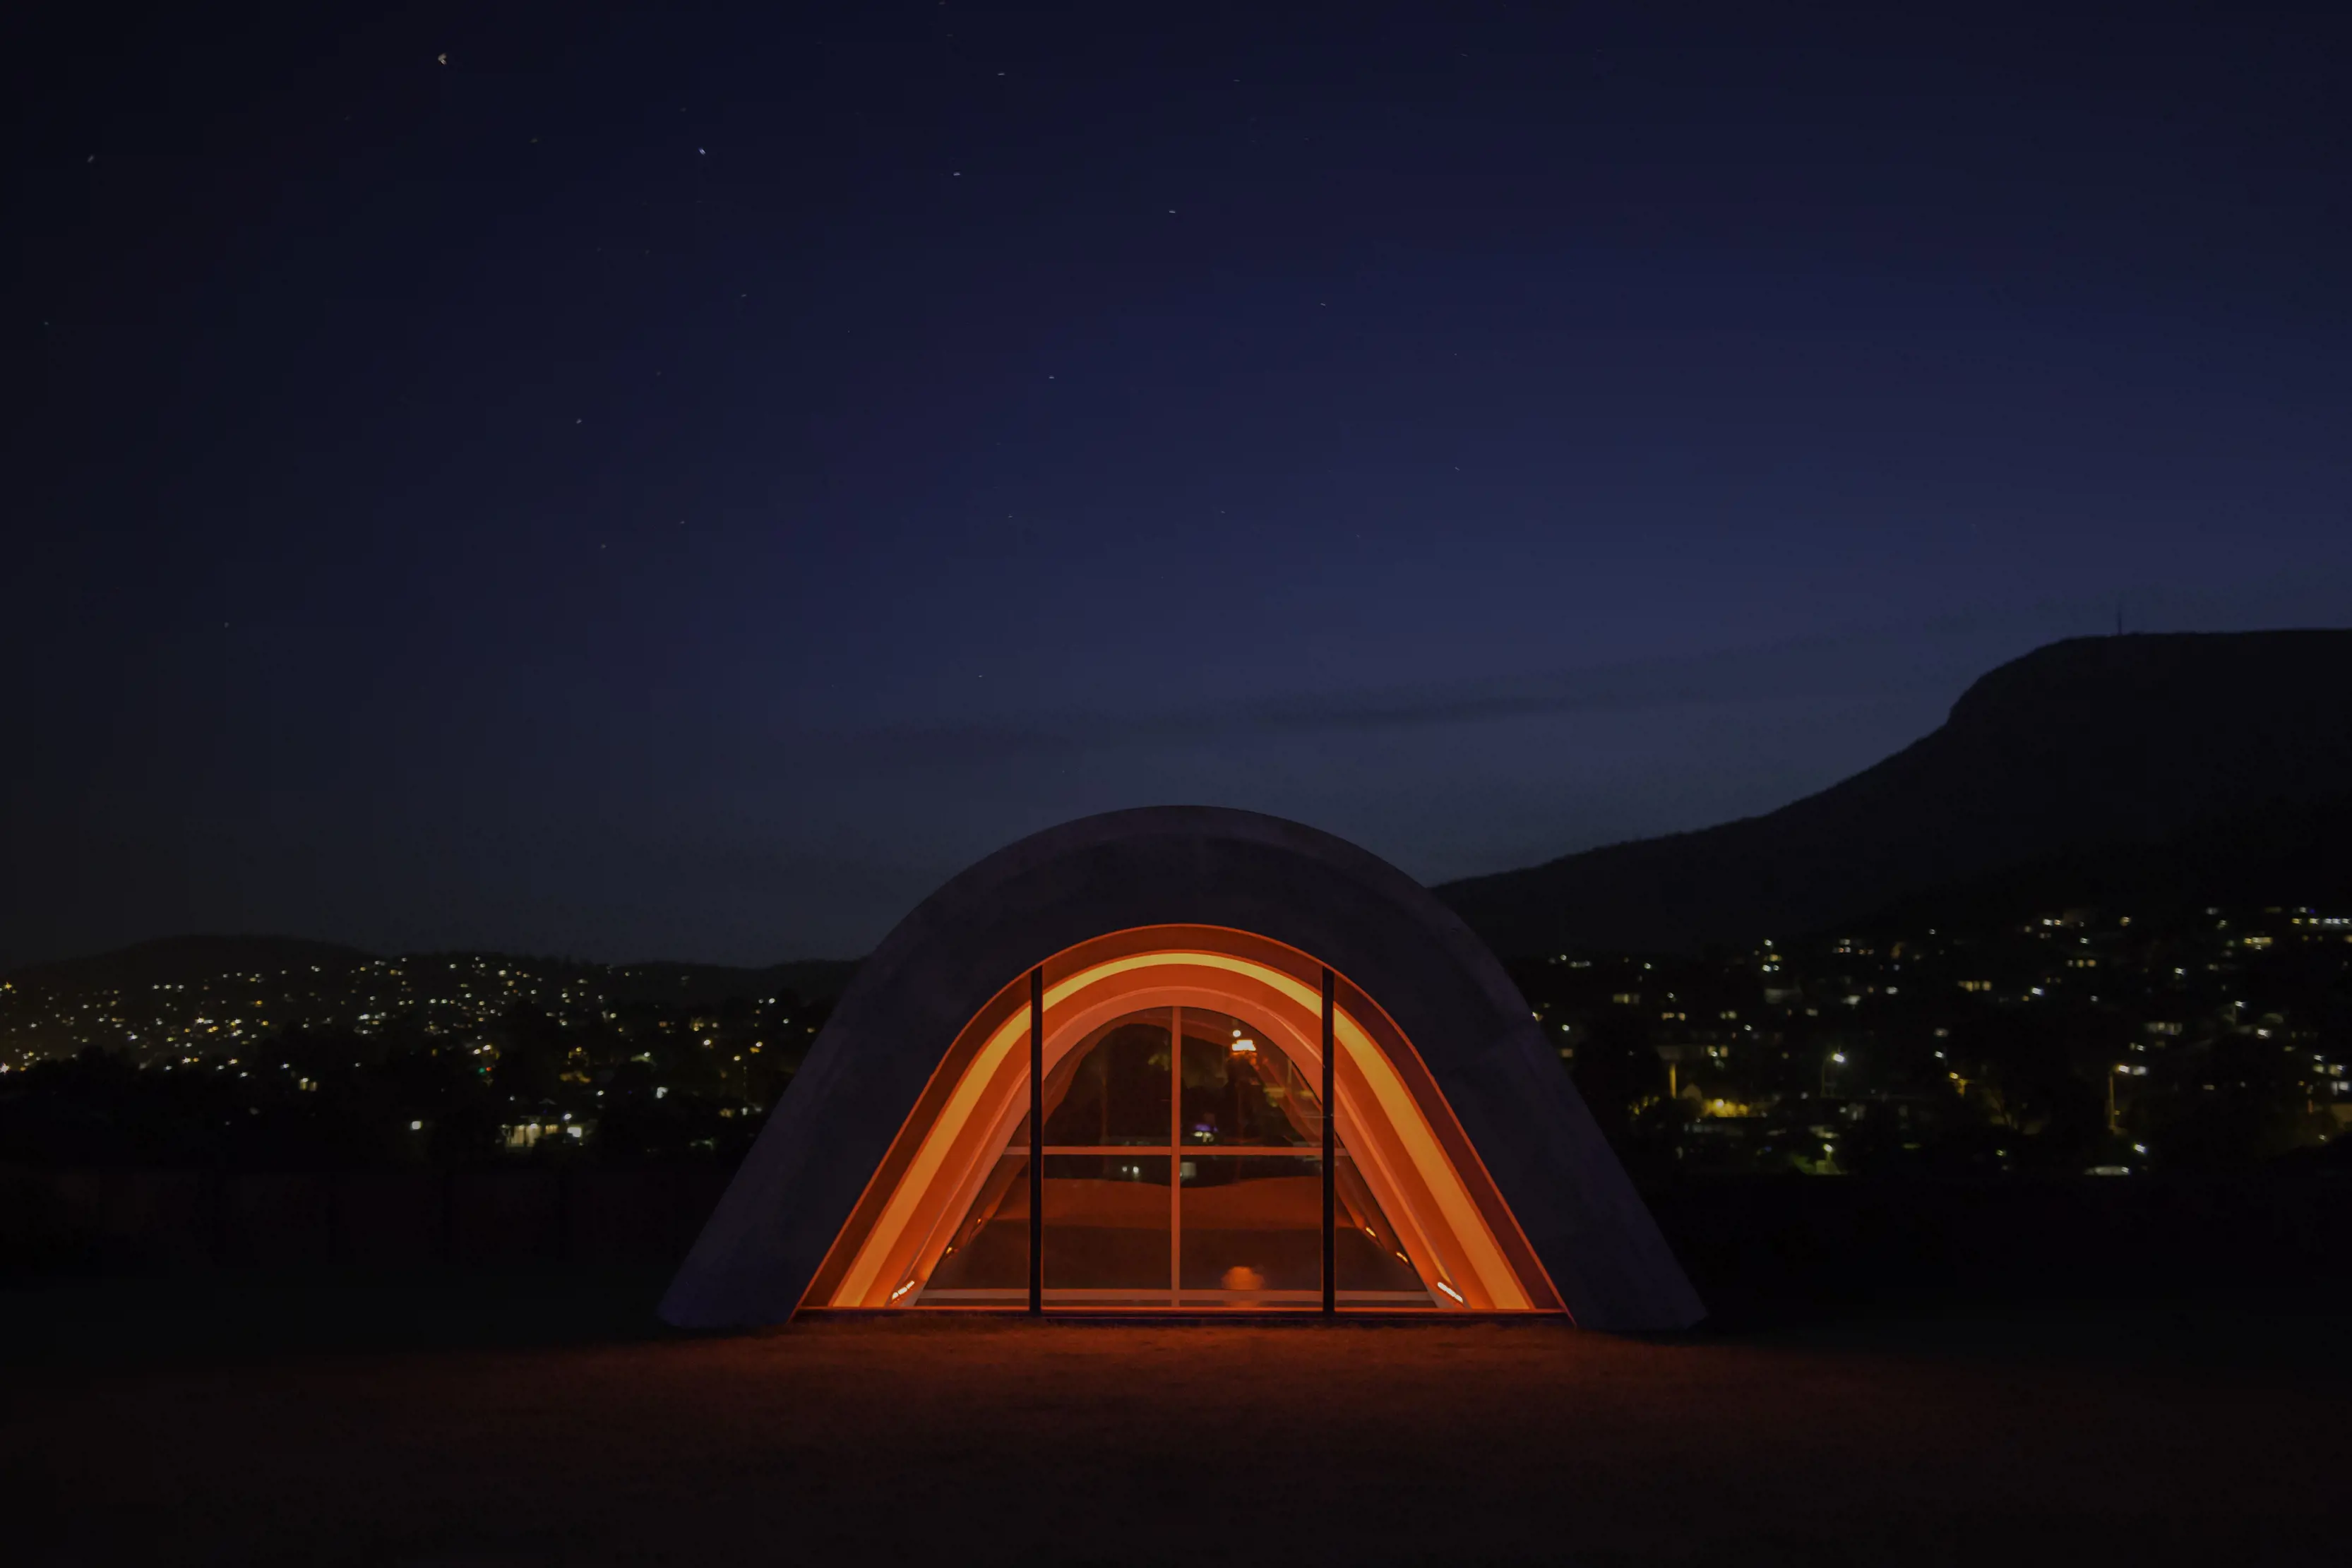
[{"x": 1391, "y": 1119}]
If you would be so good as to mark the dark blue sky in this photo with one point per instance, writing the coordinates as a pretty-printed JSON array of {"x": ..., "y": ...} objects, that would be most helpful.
[{"x": 682, "y": 483}]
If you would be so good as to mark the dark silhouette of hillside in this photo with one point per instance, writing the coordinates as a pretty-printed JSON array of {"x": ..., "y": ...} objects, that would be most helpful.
[
  {"x": 2284, "y": 854},
  {"x": 203, "y": 959},
  {"x": 185, "y": 960},
  {"x": 2096, "y": 748},
  {"x": 811, "y": 979}
]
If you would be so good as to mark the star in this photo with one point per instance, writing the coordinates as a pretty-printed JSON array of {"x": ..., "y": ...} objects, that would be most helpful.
[{"x": 443, "y": 58}]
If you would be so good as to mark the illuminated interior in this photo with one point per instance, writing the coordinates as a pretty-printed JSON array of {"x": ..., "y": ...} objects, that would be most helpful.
[{"x": 1183, "y": 1152}]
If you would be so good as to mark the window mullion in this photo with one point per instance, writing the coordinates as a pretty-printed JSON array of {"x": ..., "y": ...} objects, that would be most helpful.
[{"x": 1175, "y": 1159}]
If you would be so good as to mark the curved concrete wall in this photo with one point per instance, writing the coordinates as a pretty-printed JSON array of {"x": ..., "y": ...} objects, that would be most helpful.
[{"x": 1183, "y": 865}]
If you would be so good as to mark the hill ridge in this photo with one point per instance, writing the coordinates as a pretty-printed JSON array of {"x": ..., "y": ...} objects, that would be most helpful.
[{"x": 2088, "y": 741}]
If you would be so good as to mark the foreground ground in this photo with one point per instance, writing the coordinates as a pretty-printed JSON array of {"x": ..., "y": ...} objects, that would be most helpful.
[{"x": 506, "y": 1421}]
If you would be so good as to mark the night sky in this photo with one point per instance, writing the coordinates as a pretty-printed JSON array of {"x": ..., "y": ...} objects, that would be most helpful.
[{"x": 680, "y": 485}]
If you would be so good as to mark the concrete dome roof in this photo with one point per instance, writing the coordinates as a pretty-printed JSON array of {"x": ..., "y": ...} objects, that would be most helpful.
[{"x": 1183, "y": 865}]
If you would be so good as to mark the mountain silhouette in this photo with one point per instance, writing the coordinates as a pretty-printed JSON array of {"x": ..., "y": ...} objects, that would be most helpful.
[
  {"x": 200, "y": 959},
  {"x": 2283, "y": 852},
  {"x": 2132, "y": 764},
  {"x": 187, "y": 960}
]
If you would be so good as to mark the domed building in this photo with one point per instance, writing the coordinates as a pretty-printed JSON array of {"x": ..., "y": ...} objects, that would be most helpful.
[{"x": 1182, "y": 1060}]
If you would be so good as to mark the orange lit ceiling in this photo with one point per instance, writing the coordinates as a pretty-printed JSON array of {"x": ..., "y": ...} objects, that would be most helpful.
[{"x": 1391, "y": 1120}]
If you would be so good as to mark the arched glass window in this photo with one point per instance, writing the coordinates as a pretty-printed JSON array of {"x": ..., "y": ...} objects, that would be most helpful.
[
  {"x": 1181, "y": 1162},
  {"x": 1237, "y": 1120}
]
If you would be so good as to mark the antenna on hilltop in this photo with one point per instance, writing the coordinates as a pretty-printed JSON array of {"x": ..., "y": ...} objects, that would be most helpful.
[{"x": 2119, "y": 615}]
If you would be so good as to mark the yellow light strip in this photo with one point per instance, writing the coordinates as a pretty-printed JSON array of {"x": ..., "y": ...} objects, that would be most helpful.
[
  {"x": 917, "y": 1181},
  {"x": 1500, "y": 1282},
  {"x": 1463, "y": 1220}
]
